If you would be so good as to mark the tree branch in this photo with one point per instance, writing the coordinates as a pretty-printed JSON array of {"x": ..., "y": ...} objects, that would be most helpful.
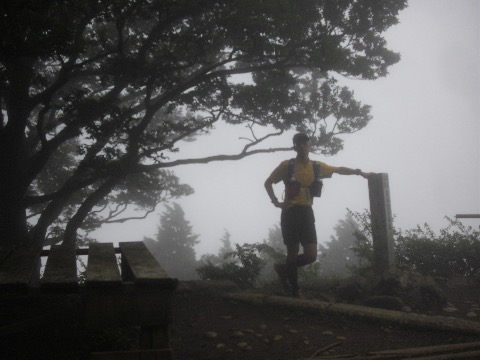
[
  {"x": 205, "y": 160},
  {"x": 122, "y": 220},
  {"x": 257, "y": 141},
  {"x": 87, "y": 205}
]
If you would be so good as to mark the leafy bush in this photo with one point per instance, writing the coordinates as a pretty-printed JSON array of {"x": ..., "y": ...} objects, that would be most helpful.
[
  {"x": 244, "y": 271},
  {"x": 456, "y": 250},
  {"x": 363, "y": 248}
]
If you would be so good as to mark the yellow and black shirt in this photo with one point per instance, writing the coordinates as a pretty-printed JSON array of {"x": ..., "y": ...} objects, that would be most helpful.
[{"x": 304, "y": 174}]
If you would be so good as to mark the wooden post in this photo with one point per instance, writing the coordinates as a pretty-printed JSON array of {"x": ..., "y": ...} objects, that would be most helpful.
[{"x": 382, "y": 222}]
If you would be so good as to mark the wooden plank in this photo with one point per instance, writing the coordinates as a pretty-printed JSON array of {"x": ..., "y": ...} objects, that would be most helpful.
[
  {"x": 4, "y": 253},
  {"x": 20, "y": 268},
  {"x": 79, "y": 251},
  {"x": 154, "y": 337},
  {"x": 23, "y": 325},
  {"x": 155, "y": 354},
  {"x": 139, "y": 265},
  {"x": 61, "y": 268},
  {"x": 102, "y": 267},
  {"x": 127, "y": 305}
]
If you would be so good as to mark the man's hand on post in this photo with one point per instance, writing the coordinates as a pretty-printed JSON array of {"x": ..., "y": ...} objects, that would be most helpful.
[{"x": 367, "y": 175}]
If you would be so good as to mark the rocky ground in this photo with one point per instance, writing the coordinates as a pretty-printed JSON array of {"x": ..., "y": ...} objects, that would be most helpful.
[{"x": 208, "y": 326}]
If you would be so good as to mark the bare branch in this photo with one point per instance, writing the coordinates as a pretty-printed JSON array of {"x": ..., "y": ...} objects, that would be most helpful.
[
  {"x": 205, "y": 160},
  {"x": 114, "y": 212},
  {"x": 257, "y": 141},
  {"x": 122, "y": 220}
]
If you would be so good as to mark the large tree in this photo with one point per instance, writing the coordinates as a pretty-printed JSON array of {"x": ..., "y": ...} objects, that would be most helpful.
[
  {"x": 174, "y": 246},
  {"x": 337, "y": 257},
  {"x": 115, "y": 86}
]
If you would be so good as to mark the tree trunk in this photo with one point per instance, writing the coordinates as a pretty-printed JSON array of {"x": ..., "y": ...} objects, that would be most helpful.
[
  {"x": 13, "y": 225},
  {"x": 76, "y": 221},
  {"x": 13, "y": 222},
  {"x": 51, "y": 212}
]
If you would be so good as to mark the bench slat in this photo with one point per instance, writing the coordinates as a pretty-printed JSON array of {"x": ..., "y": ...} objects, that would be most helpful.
[
  {"x": 102, "y": 268},
  {"x": 151, "y": 354},
  {"x": 21, "y": 267},
  {"x": 140, "y": 266},
  {"x": 4, "y": 253},
  {"x": 61, "y": 268}
]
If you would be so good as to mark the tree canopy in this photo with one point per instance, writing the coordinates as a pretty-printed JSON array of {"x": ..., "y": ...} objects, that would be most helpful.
[{"x": 96, "y": 94}]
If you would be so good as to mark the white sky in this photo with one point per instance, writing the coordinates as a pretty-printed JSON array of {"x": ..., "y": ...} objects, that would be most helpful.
[{"x": 425, "y": 133}]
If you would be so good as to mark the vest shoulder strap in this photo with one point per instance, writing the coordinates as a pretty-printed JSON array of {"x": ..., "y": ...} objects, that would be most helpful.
[
  {"x": 316, "y": 169},
  {"x": 291, "y": 169}
]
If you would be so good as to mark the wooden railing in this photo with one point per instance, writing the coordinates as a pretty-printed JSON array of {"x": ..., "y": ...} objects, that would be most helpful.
[{"x": 136, "y": 292}]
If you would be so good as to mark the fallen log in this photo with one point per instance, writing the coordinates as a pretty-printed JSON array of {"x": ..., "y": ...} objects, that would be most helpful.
[
  {"x": 442, "y": 323},
  {"x": 439, "y": 352},
  {"x": 430, "y": 350},
  {"x": 452, "y": 356}
]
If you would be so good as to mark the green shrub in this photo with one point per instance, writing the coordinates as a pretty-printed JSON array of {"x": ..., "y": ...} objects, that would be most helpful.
[
  {"x": 454, "y": 251},
  {"x": 244, "y": 271}
]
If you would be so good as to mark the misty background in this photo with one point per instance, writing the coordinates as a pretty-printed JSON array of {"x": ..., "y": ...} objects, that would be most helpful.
[{"x": 424, "y": 134}]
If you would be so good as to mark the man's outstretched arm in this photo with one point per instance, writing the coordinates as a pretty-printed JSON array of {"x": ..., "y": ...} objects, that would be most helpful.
[{"x": 348, "y": 171}]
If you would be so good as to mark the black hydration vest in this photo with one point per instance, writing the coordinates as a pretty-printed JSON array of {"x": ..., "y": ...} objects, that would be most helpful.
[{"x": 293, "y": 186}]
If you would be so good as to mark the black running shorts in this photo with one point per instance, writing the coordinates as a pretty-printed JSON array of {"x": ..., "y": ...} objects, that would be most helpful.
[{"x": 298, "y": 226}]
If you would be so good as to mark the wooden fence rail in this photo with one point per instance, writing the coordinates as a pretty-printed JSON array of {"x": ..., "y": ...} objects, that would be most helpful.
[{"x": 132, "y": 290}]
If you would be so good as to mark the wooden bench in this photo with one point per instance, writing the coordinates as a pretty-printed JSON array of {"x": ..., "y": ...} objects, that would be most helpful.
[{"x": 136, "y": 293}]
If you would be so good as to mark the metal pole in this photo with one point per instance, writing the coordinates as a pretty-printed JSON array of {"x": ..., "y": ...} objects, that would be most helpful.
[{"x": 467, "y": 216}]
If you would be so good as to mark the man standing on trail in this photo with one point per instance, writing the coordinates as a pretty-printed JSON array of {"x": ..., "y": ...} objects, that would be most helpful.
[{"x": 302, "y": 178}]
